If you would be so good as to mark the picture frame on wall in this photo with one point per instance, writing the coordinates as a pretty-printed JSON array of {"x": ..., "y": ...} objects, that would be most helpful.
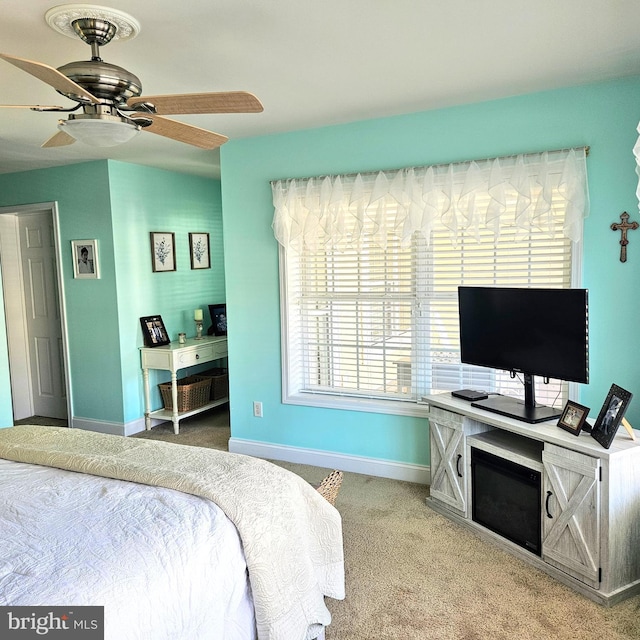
[
  {"x": 611, "y": 415},
  {"x": 163, "y": 251},
  {"x": 85, "y": 259},
  {"x": 199, "y": 251},
  {"x": 153, "y": 331},
  {"x": 573, "y": 417}
]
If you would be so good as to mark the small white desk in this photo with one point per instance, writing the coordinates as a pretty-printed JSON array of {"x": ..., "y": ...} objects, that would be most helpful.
[{"x": 173, "y": 357}]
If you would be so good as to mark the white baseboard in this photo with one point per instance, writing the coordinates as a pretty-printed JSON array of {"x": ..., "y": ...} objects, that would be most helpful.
[
  {"x": 420, "y": 474},
  {"x": 133, "y": 427},
  {"x": 114, "y": 428}
]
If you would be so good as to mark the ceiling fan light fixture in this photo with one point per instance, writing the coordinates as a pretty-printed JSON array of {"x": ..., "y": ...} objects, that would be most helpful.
[
  {"x": 99, "y": 132},
  {"x": 113, "y": 109}
]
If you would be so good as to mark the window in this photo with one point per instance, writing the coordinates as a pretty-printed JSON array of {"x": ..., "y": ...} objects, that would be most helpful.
[{"x": 370, "y": 266}]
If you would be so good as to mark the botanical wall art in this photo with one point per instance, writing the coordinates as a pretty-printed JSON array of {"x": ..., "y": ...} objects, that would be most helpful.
[
  {"x": 163, "y": 251},
  {"x": 199, "y": 248}
]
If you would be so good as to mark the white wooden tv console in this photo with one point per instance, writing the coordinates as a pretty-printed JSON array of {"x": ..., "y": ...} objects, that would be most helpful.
[{"x": 590, "y": 511}]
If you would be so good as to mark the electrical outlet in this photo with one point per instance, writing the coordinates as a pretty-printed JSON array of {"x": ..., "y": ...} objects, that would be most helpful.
[{"x": 257, "y": 409}]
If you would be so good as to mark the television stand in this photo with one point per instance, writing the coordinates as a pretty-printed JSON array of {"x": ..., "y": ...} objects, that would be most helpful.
[
  {"x": 513, "y": 408},
  {"x": 590, "y": 495}
]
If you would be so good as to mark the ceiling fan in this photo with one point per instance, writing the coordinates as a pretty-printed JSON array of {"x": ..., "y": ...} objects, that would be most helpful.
[{"x": 110, "y": 109}]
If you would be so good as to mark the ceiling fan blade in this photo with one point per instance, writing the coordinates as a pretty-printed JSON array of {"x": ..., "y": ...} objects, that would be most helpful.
[
  {"x": 51, "y": 76},
  {"x": 183, "y": 132},
  {"x": 33, "y": 107},
  {"x": 187, "y": 103},
  {"x": 60, "y": 139}
]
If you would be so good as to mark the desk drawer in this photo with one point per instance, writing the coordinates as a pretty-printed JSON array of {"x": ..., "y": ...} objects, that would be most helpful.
[
  {"x": 219, "y": 350},
  {"x": 197, "y": 355}
]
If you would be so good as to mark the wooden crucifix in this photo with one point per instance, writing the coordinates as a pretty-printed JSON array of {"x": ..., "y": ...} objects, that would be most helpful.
[{"x": 623, "y": 227}]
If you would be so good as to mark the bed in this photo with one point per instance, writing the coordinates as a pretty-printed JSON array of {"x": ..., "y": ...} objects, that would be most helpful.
[{"x": 176, "y": 542}]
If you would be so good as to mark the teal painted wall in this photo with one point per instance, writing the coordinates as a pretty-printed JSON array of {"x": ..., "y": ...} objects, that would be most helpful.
[
  {"x": 602, "y": 116},
  {"x": 145, "y": 200},
  {"x": 82, "y": 194},
  {"x": 118, "y": 204}
]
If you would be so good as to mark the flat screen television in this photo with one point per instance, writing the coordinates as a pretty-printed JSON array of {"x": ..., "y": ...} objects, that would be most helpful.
[{"x": 533, "y": 332}]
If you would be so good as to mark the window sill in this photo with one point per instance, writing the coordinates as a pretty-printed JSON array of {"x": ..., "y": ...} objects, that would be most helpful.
[{"x": 391, "y": 407}]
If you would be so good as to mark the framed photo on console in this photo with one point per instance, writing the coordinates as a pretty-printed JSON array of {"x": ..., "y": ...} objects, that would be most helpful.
[
  {"x": 153, "y": 331},
  {"x": 219, "y": 319},
  {"x": 611, "y": 415},
  {"x": 573, "y": 417}
]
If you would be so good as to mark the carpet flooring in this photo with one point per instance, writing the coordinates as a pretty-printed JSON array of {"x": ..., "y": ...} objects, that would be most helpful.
[
  {"x": 411, "y": 574},
  {"x": 46, "y": 422}
]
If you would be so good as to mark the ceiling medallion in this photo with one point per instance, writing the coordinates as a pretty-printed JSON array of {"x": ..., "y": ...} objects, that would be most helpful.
[{"x": 60, "y": 18}]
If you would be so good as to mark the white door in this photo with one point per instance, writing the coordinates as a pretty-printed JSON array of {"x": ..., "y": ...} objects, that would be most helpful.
[{"x": 42, "y": 317}]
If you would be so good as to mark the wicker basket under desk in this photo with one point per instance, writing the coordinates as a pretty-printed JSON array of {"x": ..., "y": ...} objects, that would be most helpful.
[
  {"x": 193, "y": 392},
  {"x": 219, "y": 382}
]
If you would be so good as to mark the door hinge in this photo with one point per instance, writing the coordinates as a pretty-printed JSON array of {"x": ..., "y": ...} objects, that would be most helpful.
[
  {"x": 600, "y": 469},
  {"x": 599, "y": 574}
]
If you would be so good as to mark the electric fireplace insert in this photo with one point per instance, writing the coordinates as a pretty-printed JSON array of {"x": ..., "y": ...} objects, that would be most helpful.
[{"x": 506, "y": 498}]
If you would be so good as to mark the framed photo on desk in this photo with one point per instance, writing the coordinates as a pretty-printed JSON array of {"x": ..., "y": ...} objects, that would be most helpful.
[
  {"x": 573, "y": 417},
  {"x": 219, "y": 319},
  {"x": 153, "y": 331},
  {"x": 611, "y": 415}
]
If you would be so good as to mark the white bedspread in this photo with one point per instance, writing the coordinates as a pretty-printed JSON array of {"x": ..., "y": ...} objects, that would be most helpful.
[
  {"x": 292, "y": 537},
  {"x": 69, "y": 539}
]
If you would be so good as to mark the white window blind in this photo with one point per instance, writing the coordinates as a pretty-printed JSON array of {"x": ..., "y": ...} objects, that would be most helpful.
[{"x": 370, "y": 312}]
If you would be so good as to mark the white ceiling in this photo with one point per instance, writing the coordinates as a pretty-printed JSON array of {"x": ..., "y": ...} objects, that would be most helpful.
[{"x": 314, "y": 63}]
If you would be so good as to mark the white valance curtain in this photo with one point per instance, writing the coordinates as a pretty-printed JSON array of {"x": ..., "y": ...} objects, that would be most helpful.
[{"x": 516, "y": 191}]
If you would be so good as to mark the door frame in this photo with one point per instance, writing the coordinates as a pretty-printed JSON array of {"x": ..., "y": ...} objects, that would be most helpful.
[{"x": 16, "y": 321}]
